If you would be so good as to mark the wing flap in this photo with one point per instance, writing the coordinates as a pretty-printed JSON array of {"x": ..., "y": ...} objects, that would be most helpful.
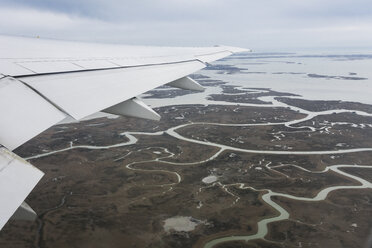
[
  {"x": 83, "y": 93},
  {"x": 17, "y": 179},
  {"x": 24, "y": 113}
]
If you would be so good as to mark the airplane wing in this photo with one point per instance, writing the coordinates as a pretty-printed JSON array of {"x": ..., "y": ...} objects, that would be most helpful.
[{"x": 42, "y": 82}]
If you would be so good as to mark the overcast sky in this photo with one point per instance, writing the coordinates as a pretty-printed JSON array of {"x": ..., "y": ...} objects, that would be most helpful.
[{"x": 258, "y": 24}]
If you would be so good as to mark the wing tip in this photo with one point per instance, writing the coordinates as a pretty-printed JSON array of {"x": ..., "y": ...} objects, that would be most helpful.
[{"x": 235, "y": 49}]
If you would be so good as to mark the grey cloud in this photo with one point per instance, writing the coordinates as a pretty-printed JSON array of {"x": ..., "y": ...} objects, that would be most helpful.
[{"x": 263, "y": 24}]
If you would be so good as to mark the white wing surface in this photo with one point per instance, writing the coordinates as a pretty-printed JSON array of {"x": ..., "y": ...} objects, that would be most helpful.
[{"x": 45, "y": 81}]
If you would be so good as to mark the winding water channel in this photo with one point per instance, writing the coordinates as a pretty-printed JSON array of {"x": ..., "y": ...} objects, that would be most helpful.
[{"x": 282, "y": 213}]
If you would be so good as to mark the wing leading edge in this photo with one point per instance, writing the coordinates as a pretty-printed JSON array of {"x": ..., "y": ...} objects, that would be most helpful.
[{"x": 44, "y": 81}]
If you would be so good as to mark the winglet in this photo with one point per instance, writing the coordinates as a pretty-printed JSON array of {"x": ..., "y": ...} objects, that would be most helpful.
[{"x": 235, "y": 49}]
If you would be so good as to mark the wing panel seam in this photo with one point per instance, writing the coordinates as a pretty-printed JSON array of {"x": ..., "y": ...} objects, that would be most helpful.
[
  {"x": 107, "y": 69},
  {"x": 44, "y": 97}
]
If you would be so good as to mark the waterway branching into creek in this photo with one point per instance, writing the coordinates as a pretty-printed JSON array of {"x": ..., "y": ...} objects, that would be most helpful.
[{"x": 266, "y": 197}]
